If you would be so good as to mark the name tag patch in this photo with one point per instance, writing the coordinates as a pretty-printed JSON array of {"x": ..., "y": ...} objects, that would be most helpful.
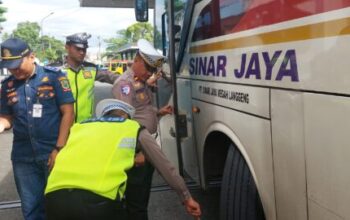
[
  {"x": 37, "y": 110},
  {"x": 127, "y": 143}
]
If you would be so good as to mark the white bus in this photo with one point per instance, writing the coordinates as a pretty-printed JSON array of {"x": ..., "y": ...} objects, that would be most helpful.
[{"x": 263, "y": 102}]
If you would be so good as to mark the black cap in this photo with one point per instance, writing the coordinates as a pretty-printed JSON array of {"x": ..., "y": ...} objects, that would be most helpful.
[
  {"x": 78, "y": 39},
  {"x": 12, "y": 52}
]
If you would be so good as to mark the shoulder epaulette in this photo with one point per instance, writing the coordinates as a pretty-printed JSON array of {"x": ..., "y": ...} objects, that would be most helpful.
[
  {"x": 6, "y": 78},
  {"x": 88, "y": 64},
  {"x": 55, "y": 64},
  {"x": 52, "y": 69}
]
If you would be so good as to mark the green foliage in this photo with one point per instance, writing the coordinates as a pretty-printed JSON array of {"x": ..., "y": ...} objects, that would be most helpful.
[
  {"x": 178, "y": 5},
  {"x": 3, "y": 10},
  {"x": 129, "y": 35},
  {"x": 51, "y": 49},
  {"x": 47, "y": 49},
  {"x": 139, "y": 30},
  {"x": 113, "y": 44},
  {"x": 5, "y": 36},
  {"x": 29, "y": 32}
]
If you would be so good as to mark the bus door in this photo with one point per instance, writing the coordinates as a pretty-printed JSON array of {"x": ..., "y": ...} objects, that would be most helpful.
[{"x": 185, "y": 155}]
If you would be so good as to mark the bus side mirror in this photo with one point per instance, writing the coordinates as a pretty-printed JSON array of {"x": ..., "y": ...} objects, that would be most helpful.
[{"x": 141, "y": 10}]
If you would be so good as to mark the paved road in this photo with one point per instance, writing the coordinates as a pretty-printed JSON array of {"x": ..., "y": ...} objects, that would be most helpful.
[{"x": 164, "y": 203}]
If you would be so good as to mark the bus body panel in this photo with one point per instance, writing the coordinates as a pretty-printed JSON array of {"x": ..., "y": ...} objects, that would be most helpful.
[
  {"x": 252, "y": 137},
  {"x": 287, "y": 123},
  {"x": 252, "y": 100},
  {"x": 327, "y": 126},
  {"x": 297, "y": 57},
  {"x": 310, "y": 145}
]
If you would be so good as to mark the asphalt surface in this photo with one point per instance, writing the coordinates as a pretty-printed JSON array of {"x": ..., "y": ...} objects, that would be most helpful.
[{"x": 164, "y": 202}]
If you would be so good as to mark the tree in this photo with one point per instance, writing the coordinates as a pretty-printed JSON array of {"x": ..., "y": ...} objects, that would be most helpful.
[
  {"x": 47, "y": 49},
  {"x": 28, "y": 32},
  {"x": 129, "y": 35},
  {"x": 139, "y": 30},
  {"x": 51, "y": 50},
  {"x": 3, "y": 10},
  {"x": 114, "y": 43}
]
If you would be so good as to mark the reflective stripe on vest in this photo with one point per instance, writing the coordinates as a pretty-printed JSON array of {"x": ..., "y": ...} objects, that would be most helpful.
[
  {"x": 82, "y": 85},
  {"x": 96, "y": 158}
]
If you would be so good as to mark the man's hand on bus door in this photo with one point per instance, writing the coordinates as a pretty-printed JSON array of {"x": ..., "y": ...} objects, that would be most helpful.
[
  {"x": 152, "y": 81},
  {"x": 2, "y": 127},
  {"x": 193, "y": 208},
  {"x": 139, "y": 159},
  {"x": 168, "y": 109}
]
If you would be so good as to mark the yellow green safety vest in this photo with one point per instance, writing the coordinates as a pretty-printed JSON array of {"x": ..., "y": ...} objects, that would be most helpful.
[
  {"x": 96, "y": 157},
  {"x": 82, "y": 85}
]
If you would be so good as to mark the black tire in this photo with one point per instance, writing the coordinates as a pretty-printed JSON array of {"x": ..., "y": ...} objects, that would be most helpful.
[{"x": 239, "y": 197}]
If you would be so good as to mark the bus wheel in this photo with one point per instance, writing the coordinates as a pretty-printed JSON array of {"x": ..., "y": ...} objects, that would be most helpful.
[{"x": 239, "y": 198}]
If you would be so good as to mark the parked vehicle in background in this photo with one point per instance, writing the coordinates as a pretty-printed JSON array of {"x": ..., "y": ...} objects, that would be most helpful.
[{"x": 117, "y": 66}]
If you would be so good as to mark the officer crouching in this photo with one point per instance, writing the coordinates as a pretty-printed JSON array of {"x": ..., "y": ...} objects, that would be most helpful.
[{"x": 89, "y": 178}]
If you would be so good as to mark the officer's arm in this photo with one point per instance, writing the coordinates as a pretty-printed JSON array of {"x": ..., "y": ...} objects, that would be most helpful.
[
  {"x": 106, "y": 76},
  {"x": 5, "y": 122},
  {"x": 65, "y": 100},
  {"x": 5, "y": 111},
  {"x": 67, "y": 111},
  {"x": 156, "y": 157}
]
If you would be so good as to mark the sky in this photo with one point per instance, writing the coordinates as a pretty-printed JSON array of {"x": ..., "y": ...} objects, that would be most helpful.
[{"x": 68, "y": 18}]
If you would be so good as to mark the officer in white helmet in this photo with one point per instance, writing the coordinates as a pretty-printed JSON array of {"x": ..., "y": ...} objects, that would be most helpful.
[
  {"x": 132, "y": 88},
  {"x": 89, "y": 176}
]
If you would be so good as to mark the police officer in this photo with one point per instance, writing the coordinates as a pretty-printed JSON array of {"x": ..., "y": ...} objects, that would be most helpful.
[
  {"x": 38, "y": 103},
  {"x": 89, "y": 178},
  {"x": 132, "y": 88},
  {"x": 82, "y": 75}
]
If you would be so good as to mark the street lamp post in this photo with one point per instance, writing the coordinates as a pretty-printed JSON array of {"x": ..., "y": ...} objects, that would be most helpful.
[
  {"x": 42, "y": 33},
  {"x": 42, "y": 23}
]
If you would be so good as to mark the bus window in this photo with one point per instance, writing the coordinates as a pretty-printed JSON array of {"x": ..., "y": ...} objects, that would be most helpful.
[{"x": 219, "y": 18}]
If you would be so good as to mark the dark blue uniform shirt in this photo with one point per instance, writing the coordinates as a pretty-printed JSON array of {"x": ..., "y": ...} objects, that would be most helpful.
[{"x": 35, "y": 137}]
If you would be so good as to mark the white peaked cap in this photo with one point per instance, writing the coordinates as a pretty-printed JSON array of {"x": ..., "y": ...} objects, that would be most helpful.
[
  {"x": 149, "y": 54},
  {"x": 106, "y": 105}
]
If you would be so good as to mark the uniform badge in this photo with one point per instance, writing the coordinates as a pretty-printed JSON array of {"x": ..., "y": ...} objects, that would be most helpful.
[
  {"x": 14, "y": 99},
  {"x": 125, "y": 90},
  {"x": 6, "y": 53},
  {"x": 137, "y": 85},
  {"x": 141, "y": 96},
  {"x": 64, "y": 84},
  {"x": 87, "y": 75},
  {"x": 45, "y": 88},
  {"x": 10, "y": 84},
  {"x": 45, "y": 79},
  {"x": 11, "y": 94}
]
